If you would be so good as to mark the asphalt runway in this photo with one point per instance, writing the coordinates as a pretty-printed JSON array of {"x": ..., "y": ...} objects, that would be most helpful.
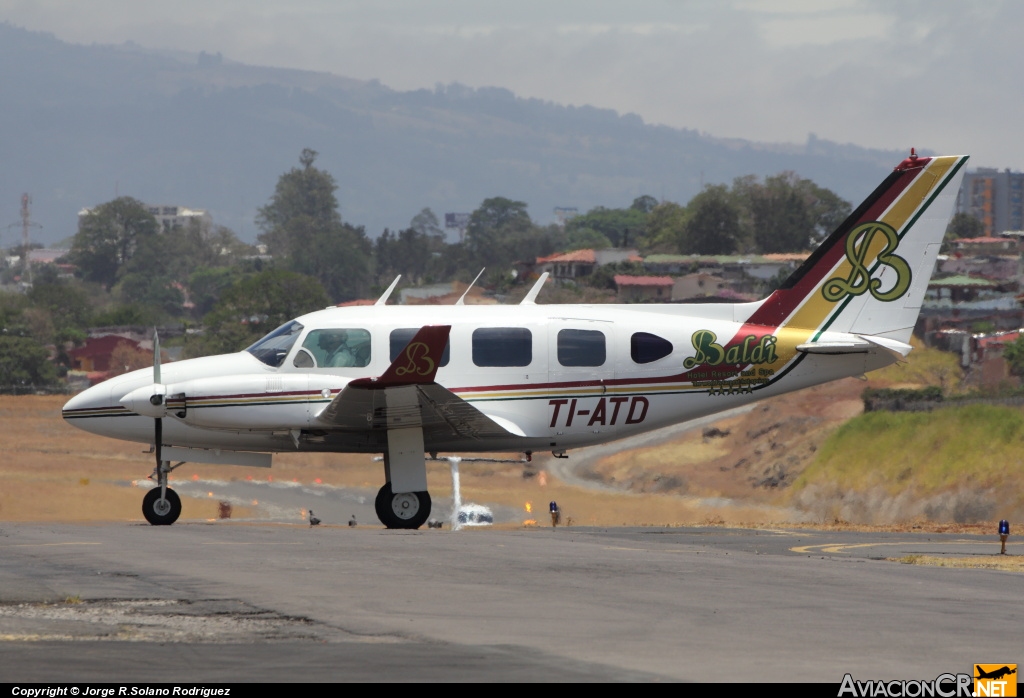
[{"x": 238, "y": 602}]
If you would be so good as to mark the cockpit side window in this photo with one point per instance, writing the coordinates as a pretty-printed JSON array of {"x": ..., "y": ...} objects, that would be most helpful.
[
  {"x": 272, "y": 349},
  {"x": 336, "y": 347}
]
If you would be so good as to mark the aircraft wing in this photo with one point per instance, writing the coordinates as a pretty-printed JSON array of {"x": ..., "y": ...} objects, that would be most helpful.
[
  {"x": 438, "y": 411},
  {"x": 406, "y": 396}
]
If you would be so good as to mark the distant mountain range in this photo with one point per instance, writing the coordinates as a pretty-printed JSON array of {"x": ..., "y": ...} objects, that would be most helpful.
[{"x": 83, "y": 124}]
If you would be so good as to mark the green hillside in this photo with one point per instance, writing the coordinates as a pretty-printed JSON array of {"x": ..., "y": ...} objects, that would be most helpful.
[{"x": 960, "y": 463}]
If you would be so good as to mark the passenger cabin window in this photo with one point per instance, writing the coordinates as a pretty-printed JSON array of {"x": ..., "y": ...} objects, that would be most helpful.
[
  {"x": 581, "y": 348},
  {"x": 645, "y": 347},
  {"x": 272, "y": 349},
  {"x": 502, "y": 346},
  {"x": 338, "y": 347},
  {"x": 400, "y": 339}
]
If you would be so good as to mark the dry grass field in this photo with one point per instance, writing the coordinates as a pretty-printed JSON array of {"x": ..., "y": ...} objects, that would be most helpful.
[
  {"x": 51, "y": 471},
  {"x": 738, "y": 472}
]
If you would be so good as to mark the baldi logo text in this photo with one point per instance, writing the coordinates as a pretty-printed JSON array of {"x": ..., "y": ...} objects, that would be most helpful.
[
  {"x": 750, "y": 351},
  {"x": 420, "y": 363},
  {"x": 858, "y": 246}
]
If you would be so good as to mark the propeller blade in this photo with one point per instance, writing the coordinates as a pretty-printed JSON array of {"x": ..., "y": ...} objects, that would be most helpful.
[
  {"x": 158, "y": 424},
  {"x": 156, "y": 356},
  {"x": 158, "y": 438}
]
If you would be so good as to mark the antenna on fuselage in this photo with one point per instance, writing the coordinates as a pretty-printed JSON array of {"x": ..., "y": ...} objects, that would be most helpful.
[
  {"x": 384, "y": 299},
  {"x": 462, "y": 298},
  {"x": 531, "y": 297}
]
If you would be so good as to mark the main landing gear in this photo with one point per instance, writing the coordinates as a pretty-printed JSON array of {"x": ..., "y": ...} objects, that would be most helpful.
[
  {"x": 161, "y": 506},
  {"x": 403, "y": 510}
]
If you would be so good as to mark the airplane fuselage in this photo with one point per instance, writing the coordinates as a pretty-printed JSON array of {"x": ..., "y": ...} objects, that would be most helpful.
[{"x": 532, "y": 381}]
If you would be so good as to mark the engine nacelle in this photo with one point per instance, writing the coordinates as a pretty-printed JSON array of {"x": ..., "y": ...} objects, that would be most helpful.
[
  {"x": 252, "y": 402},
  {"x": 149, "y": 401}
]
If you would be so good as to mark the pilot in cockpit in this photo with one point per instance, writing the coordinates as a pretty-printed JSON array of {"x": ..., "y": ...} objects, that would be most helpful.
[{"x": 335, "y": 346}]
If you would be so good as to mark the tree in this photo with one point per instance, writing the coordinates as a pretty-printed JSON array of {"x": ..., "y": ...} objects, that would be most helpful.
[
  {"x": 254, "y": 306},
  {"x": 108, "y": 237},
  {"x": 301, "y": 224},
  {"x": 622, "y": 226},
  {"x": 125, "y": 314},
  {"x": 665, "y": 227},
  {"x": 493, "y": 230},
  {"x": 227, "y": 247},
  {"x": 12, "y": 307},
  {"x": 425, "y": 223},
  {"x": 207, "y": 284},
  {"x": 159, "y": 292},
  {"x": 125, "y": 358},
  {"x": 782, "y": 217},
  {"x": 713, "y": 226},
  {"x": 24, "y": 363},
  {"x": 964, "y": 225},
  {"x": 787, "y": 213},
  {"x": 644, "y": 204},
  {"x": 604, "y": 275},
  {"x": 67, "y": 304},
  {"x": 1013, "y": 352},
  {"x": 828, "y": 209},
  {"x": 584, "y": 239}
]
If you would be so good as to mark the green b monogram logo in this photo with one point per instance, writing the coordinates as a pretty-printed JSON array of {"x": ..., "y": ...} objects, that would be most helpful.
[{"x": 858, "y": 243}]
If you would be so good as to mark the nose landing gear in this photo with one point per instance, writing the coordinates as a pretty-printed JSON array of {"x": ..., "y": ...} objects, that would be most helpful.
[
  {"x": 161, "y": 511},
  {"x": 161, "y": 506}
]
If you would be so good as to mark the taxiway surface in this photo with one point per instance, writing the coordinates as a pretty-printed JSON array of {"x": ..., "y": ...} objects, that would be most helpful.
[{"x": 247, "y": 602}]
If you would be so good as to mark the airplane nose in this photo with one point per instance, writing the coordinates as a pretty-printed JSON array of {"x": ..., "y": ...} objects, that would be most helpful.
[{"x": 91, "y": 402}]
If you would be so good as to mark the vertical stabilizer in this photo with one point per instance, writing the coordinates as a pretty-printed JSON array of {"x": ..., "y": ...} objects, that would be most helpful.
[{"x": 870, "y": 276}]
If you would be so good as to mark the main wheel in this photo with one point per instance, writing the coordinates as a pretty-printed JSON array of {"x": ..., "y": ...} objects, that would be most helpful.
[
  {"x": 161, "y": 511},
  {"x": 404, "y": 510}
]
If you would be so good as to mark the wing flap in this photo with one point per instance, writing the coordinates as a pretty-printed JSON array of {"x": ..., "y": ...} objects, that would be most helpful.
[{"x": 438, "y": 411}]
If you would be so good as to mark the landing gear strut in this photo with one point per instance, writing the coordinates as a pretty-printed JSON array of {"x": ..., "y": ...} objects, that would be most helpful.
[
  {"x": 161, "y": 506},
  {"x": 403, "y": 510}
]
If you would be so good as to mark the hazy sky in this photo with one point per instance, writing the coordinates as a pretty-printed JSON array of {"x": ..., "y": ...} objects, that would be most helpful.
[{"x": 935, "y": 74}]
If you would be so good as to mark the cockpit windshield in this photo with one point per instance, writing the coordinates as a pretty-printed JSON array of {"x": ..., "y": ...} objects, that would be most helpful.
[{"x": 272, "y": 349}]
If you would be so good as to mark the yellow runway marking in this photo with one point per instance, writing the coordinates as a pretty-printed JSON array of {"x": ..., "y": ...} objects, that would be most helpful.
[{"x": 843, "y": 547}]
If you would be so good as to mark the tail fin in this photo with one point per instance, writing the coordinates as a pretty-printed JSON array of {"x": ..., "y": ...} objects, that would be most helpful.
[{"x": 870, "y": 275}]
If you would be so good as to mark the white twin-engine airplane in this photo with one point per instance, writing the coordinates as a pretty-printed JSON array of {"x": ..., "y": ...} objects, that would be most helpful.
[{"x": 407, "y": 381}]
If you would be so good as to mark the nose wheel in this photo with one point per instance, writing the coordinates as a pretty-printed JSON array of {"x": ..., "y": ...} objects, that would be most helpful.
[
  {"x": 161, "y": 510},
  {"x": 403, "y": 510},
  {"x": 161, "y": 506}
]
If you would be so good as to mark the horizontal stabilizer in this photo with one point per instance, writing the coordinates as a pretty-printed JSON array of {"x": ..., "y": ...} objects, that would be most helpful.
[
  {"x": 834, "y": 347},
  {"x": 901, "y": 349}
]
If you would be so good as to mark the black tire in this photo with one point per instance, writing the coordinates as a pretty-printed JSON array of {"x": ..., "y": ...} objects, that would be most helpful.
[
  {"x": 161, "y": 512},
  {"x": 408, "y": 510},
  {"x": 380, "y": 504}
]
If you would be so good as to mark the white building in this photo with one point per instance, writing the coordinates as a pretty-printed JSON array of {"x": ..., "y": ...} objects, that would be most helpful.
[{"x": 170, "y": 217}]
